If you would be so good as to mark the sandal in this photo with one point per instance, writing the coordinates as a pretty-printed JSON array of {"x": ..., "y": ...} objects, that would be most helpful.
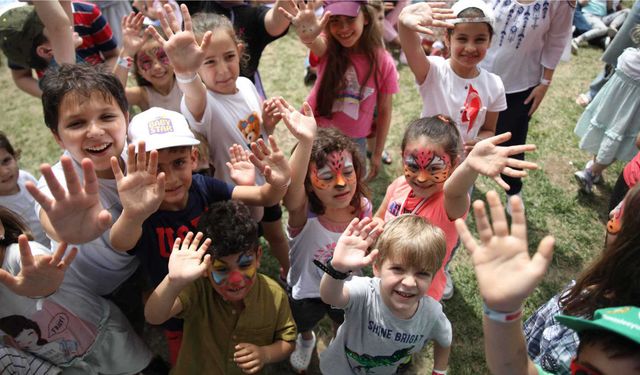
[{"x": 583, "y": 100}]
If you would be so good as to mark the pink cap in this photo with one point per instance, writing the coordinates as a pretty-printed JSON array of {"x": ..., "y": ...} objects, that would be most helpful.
[{"x": 343, "y": 8}]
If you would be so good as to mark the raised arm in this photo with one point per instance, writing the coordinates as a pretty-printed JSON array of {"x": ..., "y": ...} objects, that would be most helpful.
[
  {"x": 132, "y": 40},
  {"x": 506, "y": 275},
  {"x": 58, "y": 29},
  {"x": 23, "y": 79},
  {"x": 275, "y": 22},
  {"x": 308, "y": 27}
]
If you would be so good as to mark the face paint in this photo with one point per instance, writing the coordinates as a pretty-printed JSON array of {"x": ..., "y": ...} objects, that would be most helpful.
[
  {"x": 222, "y": 274},
  {"x": 338, "y": 171},
  {"x": 146, "y": 58},
  {"x": 424, "y": 165}
]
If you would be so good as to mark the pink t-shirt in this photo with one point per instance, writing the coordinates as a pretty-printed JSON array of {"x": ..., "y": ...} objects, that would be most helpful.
[
  {"x": 431, "y": 209},
  {"x": 353, "y": 110},
  {"x": 631, "y": 171}
]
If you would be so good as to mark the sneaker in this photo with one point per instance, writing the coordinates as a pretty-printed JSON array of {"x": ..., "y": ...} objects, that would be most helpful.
[
  {"x": 585, "y": 180},
  {"x": 508, "y": 205},
  {"x": 301, "y": 356},
  {"x": 448, "y": 287},
  {"x": 611, "y": 32},
  {"x": 575, "y": 46},
  {"x": 597, "y": 178}
]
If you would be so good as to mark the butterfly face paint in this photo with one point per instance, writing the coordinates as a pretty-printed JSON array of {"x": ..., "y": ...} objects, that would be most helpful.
[
  {"x": 233, "y": 275},
  {"x": 423, "y": 166},
  {"x": 146, "y": 58},
  {"x": 338, "y": 171}
]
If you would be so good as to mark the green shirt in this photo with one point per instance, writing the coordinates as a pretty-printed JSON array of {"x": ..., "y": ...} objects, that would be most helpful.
[
  {"x": 213, "y": 327},
  {"x": 541, "y": 371}
]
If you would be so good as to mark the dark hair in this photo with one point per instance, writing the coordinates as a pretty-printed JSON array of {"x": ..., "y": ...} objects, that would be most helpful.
[
  {"x": 203, "y": 22},
  {"x": 80, "y": 79},
  {"x": 13, "y": 227},
  {"x": 610, "y": 280},
  {"x": 327, "y": 141},
  {"x": 472, "y": 12},
  {"x": 37, "y": 62},
  {"x": 613, "y": 344},
  {"x": 440, "y": 129},
  {"x": 12, "y": 325},
  {"x": 333, "y": 80},
  {"x": 230, "y": 227},
  {"x": 5, "y": 144}
]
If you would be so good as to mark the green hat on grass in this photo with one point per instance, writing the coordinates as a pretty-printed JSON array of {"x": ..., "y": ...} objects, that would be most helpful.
[
  {"x": 18, "y": 29},
  {"x": 624, "y": 321}
]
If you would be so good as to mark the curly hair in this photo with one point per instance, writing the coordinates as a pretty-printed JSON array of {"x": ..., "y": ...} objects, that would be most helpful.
[
  {"x": 230, "y": 227},
  {"x": 439, "y": 129}
]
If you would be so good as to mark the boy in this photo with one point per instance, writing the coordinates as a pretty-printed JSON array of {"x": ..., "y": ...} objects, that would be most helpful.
[
  {"x": 156, "y": 213},
  {"x": 388, "y": 318},
  {"x": 609, "y": 342},
  {"x": 245, "y": 321}
]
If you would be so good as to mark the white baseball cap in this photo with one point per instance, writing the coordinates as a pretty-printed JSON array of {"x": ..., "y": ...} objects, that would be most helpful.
[
  {"x": 462, "y": 5},
  {"x": 160, "y": 128}
]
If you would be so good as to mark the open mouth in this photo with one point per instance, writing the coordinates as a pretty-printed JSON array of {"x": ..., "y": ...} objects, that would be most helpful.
[
  {"x": 98, "y": 148},
  {"x": 404, "y": 295}
]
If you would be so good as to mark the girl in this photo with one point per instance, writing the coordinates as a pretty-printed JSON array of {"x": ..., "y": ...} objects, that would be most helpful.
[
  {"x": 435, "y": 184},
  {"x": 13, "y": 194},
  {"x": 217, "y": 102},
  {"x": 355, "y": 73},
  {"x": 325, "y": 194},
  {"x": 608, "y": 127},
  {"x": 456, "y": 87},
  {"x": 157, "y": 85}
]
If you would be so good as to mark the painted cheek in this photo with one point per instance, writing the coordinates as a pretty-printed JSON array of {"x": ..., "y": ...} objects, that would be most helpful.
[{"x": 317, "y": 182}]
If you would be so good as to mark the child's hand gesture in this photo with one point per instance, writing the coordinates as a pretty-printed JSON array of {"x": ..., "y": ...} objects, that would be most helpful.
[
  {"x": 189, "y": 262},
  {"x": 271, "y": 163},
  {"x": 270, "y": 114},
  {"x": 301, "y": 126},
  {"x": 418, "y": 17},
  {"x": 75, "y": 214},
  {"x": 184, "y": 52},
  {"x": 40, "y": 275},
  {"x": 505, "y": 272},
  {"x": 304, "y": 20},
  {"x": 141, "y": 191},
  {"x": 249, "y": 357},
  {"x": 241, "y": 170},
  {"x": 132, "y": 37},
  {"x": 350, "y": 253},
  {"x": 490, "y": 160}
]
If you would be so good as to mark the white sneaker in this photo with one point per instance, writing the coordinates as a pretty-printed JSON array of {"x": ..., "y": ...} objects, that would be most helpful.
[
  {"x": 597, "y": 178},
  {"x": 301, "y": 356},
  {"x": 448, "y": 287},
  {"x": 508, "y": 205}
]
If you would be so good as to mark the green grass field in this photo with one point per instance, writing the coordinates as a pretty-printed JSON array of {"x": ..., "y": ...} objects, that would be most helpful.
[{"x": 553, "y": 204}]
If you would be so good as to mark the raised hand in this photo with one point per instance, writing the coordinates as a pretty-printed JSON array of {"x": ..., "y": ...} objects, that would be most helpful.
[
  {"x": 184, "y": 52},
  {"x": 350, "y": 253},
  {"x": 304, "y": 20},
  {"x": 301, "y": 126},
  {"x": 271, "y": 163},
  {"x": 241, "y": 170},
  {"x": 188, "y": 261},
  {"x": 40, "y": 275},
  {"x": 270, "y": 114},
  {"x": 132, "y": 36},
  {"x": 141, "y": 191},
  {"x": 490, "y": 160},
  {"x": 75, "y": 213},
  {"x": 249, "y": 357},
  {"x": 506, "y": 273},
  {"x": 418, "y": 17}
]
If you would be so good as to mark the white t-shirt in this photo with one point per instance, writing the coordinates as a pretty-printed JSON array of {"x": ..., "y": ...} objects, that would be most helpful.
[
  {"x": 98, "y": 267},
  {"x": 22, "y": 203},
  {"x": 229, "y": 119},
  {"x": 465, "y": 100},
  {"x": 374, "y": 341},
  {"x": 629, "y": 63}
]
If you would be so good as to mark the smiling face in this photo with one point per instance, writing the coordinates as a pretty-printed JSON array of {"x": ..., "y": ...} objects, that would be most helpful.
[
  {"x": 347, "y": 30},
  {"x": 93, "y": 128},
  {"x": 335, "y": 183},
  {"x": 401, "y": 286},
  {"x": 232, "y": 276},
  {"x": 177, "y": 163},
  {"x": 468, "y": 44},
  {"x": 152, "y": 63},
  {"x": 426, "y": 166},
  {"x": 9, "y": 173},
  {"x": 221, "y": 66}
]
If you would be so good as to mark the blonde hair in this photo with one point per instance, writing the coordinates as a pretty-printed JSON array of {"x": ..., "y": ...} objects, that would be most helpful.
[{"x": 412, "y": 240}]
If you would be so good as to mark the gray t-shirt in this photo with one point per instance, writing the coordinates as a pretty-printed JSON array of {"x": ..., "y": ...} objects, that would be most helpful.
[{"x": 372, "y": 340}]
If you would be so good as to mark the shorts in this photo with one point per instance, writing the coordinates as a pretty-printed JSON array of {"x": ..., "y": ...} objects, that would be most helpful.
[{"x": 307, "y": 312}]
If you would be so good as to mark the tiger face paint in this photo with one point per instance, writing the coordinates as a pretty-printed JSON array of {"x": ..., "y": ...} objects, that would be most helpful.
[{"x": 338, "y": 171}]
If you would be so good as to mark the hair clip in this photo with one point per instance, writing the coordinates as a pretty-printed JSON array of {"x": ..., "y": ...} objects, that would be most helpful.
[{"x": 444, "y": 119}]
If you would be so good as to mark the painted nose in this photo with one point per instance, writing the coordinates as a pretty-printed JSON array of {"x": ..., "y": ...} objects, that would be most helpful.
[
  {"x": 340, "y": 181},
  {"x": 423, "y": 176},
  {"x": 235, "y": 277}
]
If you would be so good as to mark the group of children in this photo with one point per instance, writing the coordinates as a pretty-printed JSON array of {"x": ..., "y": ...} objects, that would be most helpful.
[{"x": 124, "y": 193}]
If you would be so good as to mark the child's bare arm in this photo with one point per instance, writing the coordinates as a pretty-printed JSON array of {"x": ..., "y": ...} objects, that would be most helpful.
[
  {"x": 132, "y": 40},
  {"x": 23, "y": 79},
  {"x": 506, "y": 275},
  {"x": 187, "y": 263},
  {"x": 308, "y": 26},
  {"x": 489, "y": 159},
  {"x": 415, "y": 19},
  {"x": 349, "y": 255},
  {"x": 59, "y": 29},
  {"x": 186, "y": 56},
  {"x": 141, "y": 192},
  {"x": 383, "y": 123},
  {"x": 275, "y": 22},
  {"x": 440, "y": 356},
  {"x": 251, "y": 358},
  {"x": 379, "y": 215}
]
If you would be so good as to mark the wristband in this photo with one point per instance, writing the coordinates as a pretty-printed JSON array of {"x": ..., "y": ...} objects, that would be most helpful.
[
  {"x": 187, "y": 80},
  {"x": 329, "y": 270},
  {"x": 439, "y": 372},
  {"x": 125, "y": 62},
  {"x": 545, "y": 82},
  {"x": 501, "y": 317}
]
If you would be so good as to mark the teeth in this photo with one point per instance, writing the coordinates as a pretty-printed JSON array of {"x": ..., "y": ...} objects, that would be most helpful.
[
  {"x": 406, "y": 295},
  {"x": 98, "y": 148}
]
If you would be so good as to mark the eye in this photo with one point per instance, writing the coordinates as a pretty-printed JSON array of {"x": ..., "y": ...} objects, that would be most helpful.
[
  {"x": 424, "y": 274},
  {"x": 7, "y": 160},
  {"x": 179, "y": 163},
  {"x": 144, "y": 63},
  {"x": 209, "y": 61},
  {"x": 348, "y": 171},
  {"x": 229, "y": 57},
  {"x": 245, "y": 265},
  {"x": 108, "y": 117},
  {"x": 162, "y": 56},
  {"x": 75, "y": 124},
  {"x": 220, "y": 270}
]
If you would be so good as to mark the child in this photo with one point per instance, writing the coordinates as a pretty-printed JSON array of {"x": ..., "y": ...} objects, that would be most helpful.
[
  {"x": 388, "y": 318},
  {"x": 13, "y": 194},
  {"x": 610, "y": 124},
  {"x": 157, "y": 86},
  {"x": 157, "y": 210},
  {"x": 435, "y": 184},
  {"x": 217, "y": 102},
  {"x": 628, "y": 178},
  {"x": 456, "y": 87},
  {"x": 326, "y": 193},
  {"x": 356, "y": 75},
  {"x": 609, "y": 340},
  {"x": 236, "y": 320},
  {"x": 48, "y": 314}
]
